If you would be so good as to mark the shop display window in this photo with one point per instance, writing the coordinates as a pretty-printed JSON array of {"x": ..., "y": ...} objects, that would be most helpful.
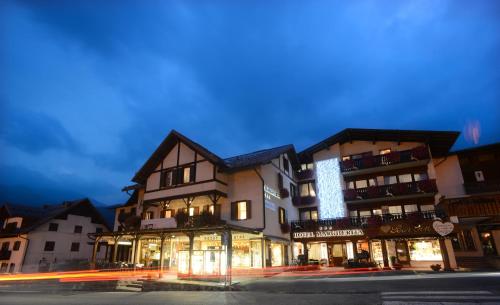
[{"x": 425, "y": 250}]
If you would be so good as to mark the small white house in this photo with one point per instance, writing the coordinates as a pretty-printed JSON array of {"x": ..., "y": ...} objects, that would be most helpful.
[{"x": 49, "y": 237}]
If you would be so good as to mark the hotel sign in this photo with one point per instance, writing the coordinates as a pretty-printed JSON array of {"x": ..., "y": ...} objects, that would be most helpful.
[
  {"x": 329, "y": 233},
  {"x": 270, "y": 192}
]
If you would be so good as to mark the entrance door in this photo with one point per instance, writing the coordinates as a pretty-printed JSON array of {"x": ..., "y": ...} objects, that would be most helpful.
[
  {"x": 336, "y": 254},
  {"x": 402, "y": 252}
]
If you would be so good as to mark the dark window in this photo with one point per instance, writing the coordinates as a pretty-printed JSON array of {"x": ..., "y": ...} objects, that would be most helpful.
[
  {"x": 166, "y": 178},
  {"x": 286, "y": 166},
  {"x": 17, "y": 245},
  {"x": 132, "y": 211},
  {"x": 5, "y": 246},
  {"x": 293, "y": 190},
  {"x": 49, "y": 246},
  {"x": 3, "y": 267},
  {"x": 241, "y": 210},
  {"x": 78, "y": 229},
  {"x": 98, "y": 230},
  {"x": 11, "y": 227},
  {"x": 282, "y": 216},
  {"x": 53, "y": 227},
  {"x": 75, "y": 247}
]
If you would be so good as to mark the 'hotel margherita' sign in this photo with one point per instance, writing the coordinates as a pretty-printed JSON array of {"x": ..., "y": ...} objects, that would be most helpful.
[{"x": 328, "y": 233}]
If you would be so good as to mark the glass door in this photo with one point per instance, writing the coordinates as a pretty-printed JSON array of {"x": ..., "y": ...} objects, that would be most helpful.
[{"x": 402, "y": 252}]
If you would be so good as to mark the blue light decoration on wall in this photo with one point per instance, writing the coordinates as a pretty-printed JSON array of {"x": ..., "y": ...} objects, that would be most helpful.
[{"x": 328, "y": 184}]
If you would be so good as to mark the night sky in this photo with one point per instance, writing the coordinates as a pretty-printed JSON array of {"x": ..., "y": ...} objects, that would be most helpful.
[{"x": 88, "y": 89}]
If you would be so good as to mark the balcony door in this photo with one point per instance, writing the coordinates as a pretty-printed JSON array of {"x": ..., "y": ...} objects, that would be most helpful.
[{"x": 402, "y": 252}]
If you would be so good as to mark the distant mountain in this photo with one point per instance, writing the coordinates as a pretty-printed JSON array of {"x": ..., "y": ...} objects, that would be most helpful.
[{"x": 35, "y": 196}]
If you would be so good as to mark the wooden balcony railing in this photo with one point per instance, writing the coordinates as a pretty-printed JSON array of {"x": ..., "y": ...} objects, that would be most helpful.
[
  {"x": 302, "y": 201},
  {"x": 415, "y": 154},
  {"x": 482, "y": 187},
  {"x": 391, "y": 190},
  {"x": 360, "y": 222},
  {"x": 305, "y": 174}
]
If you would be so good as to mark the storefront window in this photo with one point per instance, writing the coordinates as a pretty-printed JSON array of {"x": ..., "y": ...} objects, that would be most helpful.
[
  {"x": 411, "y": 208},
  {"x": 425, "y": 250},
  {"x": 377, "y": 254},
  {"x": 277, "y": 254},
  {"x": 395, "y": 209}
]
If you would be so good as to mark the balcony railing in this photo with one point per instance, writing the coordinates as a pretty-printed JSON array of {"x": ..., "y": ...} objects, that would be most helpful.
[
  {"x": 396, "y": 157},
  {"x": 198, "y": 221},
  {"x": 305, "y": 174},
  {"x": 482, "y": 187},
  {"x": 5, "y": 255},
  {"x": 302, "y": 201},
  {"x": 360, "y": 222},
  {"x": 391, "y": 190}
]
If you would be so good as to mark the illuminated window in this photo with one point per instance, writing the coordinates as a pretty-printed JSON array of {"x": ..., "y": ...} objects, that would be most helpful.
[
  {"x": 149, "y": 215},
  {"x": 395, "y": 209},
  {"x": 390, "y": 180},
  {"x": 420, "y": 176},
  {"x": 307, "y": 189},
  {"x": 192, "y": 211},
  {"x": 361, "y": 184},
  {"x": 167, "y": 214},
  {"x": 372, "y": 182},
  {"x": 377, "y": 212},
  {"x": 427, "y": 207},
  {"x": 308, "y": 214},
  {"x": 187, "y": 175},
  {"x": 346, "y": 158},
  {"x": 306, "y": 166},
  {"x": 282, "y": 215},
  {"x": 405, "y": 178},
  {"x": 353, "y": 213},
  {"x": 350, "y": 185},
  {"x": 385, "y": 151},
  {"x": 365, "y": 213},
  {"x": 241, "y": 210},
  {"x": 411, "y": 208},
  {"x": 314, "y": 215},
  {"x": 211, "y": 209}
]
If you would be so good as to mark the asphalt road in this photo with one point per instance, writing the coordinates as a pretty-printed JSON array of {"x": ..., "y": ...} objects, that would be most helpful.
[{"x": 483, "y": 288}]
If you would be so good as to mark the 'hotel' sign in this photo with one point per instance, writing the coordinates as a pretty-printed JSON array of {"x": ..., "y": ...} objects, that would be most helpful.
[{"x": 329, "y": 233}]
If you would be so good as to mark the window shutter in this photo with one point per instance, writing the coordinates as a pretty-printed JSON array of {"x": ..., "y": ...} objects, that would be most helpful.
[
  {"x": 249, "y": 209},
  {"x": 234, "y": 210},
  {"x": 162, "y": 213},
  {"x": 192, "y": 173},
  {"x": 172, "y": 213},
  {"x": 196, "y": 211},
  {"x": 280, "y": 181},
  {"x": 180, "y": 175},
  {"x": 217, "y": 210},
  {"x": 162, "y": 179}
]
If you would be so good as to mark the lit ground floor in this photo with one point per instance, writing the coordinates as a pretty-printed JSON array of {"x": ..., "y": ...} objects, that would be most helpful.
[
  {"x": 206, "y": 252},
  {"x": 400, "y": 252}
]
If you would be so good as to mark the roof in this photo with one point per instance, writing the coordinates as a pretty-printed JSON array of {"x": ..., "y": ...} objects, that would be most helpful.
[
  {"x": 161, "y": 152},
  {"x": 482, "y": 148},
  {"x": 440, "y": 142},
  {"x": 261, "y": 157},
  {"x": 38, "y": 215}
]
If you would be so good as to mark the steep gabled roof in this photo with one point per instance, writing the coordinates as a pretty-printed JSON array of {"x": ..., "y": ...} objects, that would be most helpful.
[
  {"x": 261, "y": 157},
  {"x": 439, "y": 142},
  {"x": 34, "y": 217},
  {"x": 482, "y": 148},
  {"x": 165, "y": 147}
]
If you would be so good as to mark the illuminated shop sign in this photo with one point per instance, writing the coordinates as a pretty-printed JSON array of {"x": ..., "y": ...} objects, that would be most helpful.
[
  {"x": 329, "y": 233},
  {"x": 269, "y": 192}
]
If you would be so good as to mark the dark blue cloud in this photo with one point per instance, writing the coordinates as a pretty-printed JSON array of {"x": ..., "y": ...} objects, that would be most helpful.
[{"x": 238, "y": 76}]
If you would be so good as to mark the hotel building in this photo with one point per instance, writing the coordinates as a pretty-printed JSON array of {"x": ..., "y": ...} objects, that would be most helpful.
[{"x": 361, "y": 194}]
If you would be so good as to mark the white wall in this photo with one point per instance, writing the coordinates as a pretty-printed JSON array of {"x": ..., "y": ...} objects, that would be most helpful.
[
  {"x": 449, "y": 178},
  {"x": 63, "y": 238}
]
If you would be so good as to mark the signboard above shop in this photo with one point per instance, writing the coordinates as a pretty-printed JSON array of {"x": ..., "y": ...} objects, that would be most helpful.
[{"x": 328, "y": 233}]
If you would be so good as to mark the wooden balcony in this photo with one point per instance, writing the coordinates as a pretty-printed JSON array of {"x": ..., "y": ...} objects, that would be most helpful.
[
  {"x": 307, "y": 174},
  {"x": 417, "y": 156},
  {"x": 391, "y": 191},
  {"x": 360, "y": 222},
  {"x": 482, "y": 187},
  {"x": 303, "y": 201}
]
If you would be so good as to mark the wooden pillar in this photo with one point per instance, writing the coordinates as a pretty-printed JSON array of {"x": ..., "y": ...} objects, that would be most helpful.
[
  {"x": 94, "y": 252},
  {"x": 115, "y": 249},
  {"x": 162, "y": 241},
  {"x": 384, "y": 254},
  {"x": 229, "y": 256},
  {"x": 191, "y": 244},
  {"x": 444, "y": 254}
]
